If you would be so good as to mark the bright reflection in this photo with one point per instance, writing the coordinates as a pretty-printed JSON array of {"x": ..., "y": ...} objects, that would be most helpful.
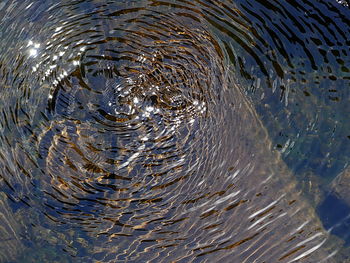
[{"x": 33, "y": 50}]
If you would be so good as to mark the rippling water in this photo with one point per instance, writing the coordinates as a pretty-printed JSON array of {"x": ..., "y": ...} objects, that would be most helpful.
[{"x": 174, "y": 131}]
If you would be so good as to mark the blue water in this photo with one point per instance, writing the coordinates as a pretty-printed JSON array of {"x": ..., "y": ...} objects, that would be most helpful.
[{"x": 174, "y": 130}]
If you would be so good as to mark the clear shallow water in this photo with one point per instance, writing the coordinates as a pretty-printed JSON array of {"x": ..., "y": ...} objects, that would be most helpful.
[{"x": 173, "y": 131}]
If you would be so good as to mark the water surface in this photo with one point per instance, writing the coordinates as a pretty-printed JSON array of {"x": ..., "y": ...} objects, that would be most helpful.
[{"x": 173, "y": 131}]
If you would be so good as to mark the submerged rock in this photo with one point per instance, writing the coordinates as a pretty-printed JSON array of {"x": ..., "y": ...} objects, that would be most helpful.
[{"x": 341, "y": 185}]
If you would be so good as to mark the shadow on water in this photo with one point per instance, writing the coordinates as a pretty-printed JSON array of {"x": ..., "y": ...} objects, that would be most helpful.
[{"x": 174, "y": 131}]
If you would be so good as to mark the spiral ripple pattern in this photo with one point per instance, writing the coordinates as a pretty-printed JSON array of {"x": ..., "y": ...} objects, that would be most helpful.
[{"x": 128, "y": 135}]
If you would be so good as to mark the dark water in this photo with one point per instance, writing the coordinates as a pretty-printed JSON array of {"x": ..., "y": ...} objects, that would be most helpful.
[{"x": 174, "y": 131}]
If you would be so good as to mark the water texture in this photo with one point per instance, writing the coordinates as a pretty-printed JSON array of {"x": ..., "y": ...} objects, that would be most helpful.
[{"x": 174, "y": 131}]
